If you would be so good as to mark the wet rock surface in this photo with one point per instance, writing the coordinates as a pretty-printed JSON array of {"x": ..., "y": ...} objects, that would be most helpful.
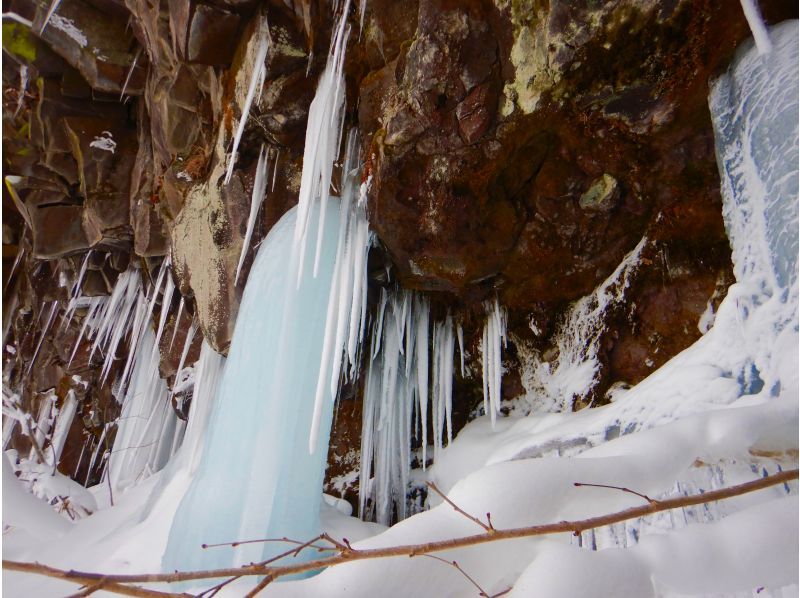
[{"x": 512, "y": 149}]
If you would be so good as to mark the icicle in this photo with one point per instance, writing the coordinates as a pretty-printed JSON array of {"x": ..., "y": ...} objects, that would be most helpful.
[
  {"x": 275, "y": 169},
  {"x": 460, "y": 334},
  {"x": 257, "y": 76},
  {"x": 323, "y": 137},
  {"x": 130, "y": 72},
  {"x": 493, "y": 341},
  {"x": 485, "y": 368},
  {"x": 448, "y": 377},
  {"x": 142, "y": 321},
  {"x": 53, "y": 7},
  {"x": 177, "y": 322},
  {"x": 362, "y": 11},
  {"x": 757, "y": 26},
  {"x": 259, "y": 191},
  {"x": 62, "y": 425},
  {"x": 422, "y": 340},
  {"x": 17, "y": 262},
  {"x": 166, "y": 302},
  {"x": 96, "y": 305},
  {"x": 44, "y": 333},
  {"x": 75, "y": 292}
]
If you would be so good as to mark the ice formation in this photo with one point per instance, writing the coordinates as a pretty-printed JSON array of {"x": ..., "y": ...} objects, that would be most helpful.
[
  {"x": 257, "y": 76},
  {"x": 347, "y": 303},
  {"x": 148, "y": 431},
  {"x": 270, "y": 375},
  {"x": 323, "y": 141},
  {"x": 555, "y": 385},
  {"x": 494, "y": 338},
  {"x": 408, "y": 389},
  {"x": 757, "y": 26},
  {"x": 313, "y": 333}
]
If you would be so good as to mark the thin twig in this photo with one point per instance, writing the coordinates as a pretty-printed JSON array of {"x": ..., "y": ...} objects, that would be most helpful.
[
  {"x": 115, "y": 582},
  {"x": 488, "y": 528},
  {"x": 343, "y": 546},
  {"x": 286, "y": 540},
  {"x": 458, "y": 568},
  {"x": 213, "y": 590},
  {"x": 652, "y": 501}
]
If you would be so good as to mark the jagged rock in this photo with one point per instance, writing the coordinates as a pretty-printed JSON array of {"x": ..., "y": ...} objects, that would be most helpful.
[
  {"x": 96, "y": 42},
  {"x": 434, "y": 187},
  {"x": 212, "y": 35},
  {"x": 387, "y": 26},
  {"x": 149, "y": 233},
  {"x": 105, "y": 153},
  {"x": 285, "y": 101}
]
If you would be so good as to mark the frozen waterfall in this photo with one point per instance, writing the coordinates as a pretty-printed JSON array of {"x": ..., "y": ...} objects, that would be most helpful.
[
  {"x": 754, "y": 109},
  {"x": 257, "y": 478}
]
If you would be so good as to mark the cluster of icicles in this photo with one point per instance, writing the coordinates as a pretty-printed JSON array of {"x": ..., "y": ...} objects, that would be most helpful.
[
  {"x": 410, "y": 367},
  {"x": 148, "y": 431}
]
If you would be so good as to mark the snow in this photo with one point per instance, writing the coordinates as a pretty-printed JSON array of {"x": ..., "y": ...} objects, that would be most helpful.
[
  {"x": 722, "y": 412},
  {"x": 104, "y": 142},
  {"x": 555, "y": 385},
  {"x": 68, "y": 27}
]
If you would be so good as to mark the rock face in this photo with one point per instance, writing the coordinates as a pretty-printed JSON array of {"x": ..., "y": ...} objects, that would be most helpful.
[{"x": 512, "y": 149}]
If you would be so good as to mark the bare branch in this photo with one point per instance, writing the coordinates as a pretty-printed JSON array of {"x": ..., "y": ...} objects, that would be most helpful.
[
  {"x": 489, "y": 528},
  {"x": 115, "y": 583},
  {"x": 92, "y": 582},
  {"x": 652, "y": 501}
]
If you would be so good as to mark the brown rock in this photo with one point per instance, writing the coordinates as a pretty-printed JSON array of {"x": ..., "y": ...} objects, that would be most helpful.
[
  {"x": 212, "y": 35},
  {"x": 96, "y": 42}
]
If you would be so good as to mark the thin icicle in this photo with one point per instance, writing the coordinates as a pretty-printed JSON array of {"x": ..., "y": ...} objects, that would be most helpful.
[
  {"x": 130, "y": 72},
  {"x": 257, "y": 76},
  {"x": 177, "y": 322},
  {"x": 493, "y": 341},
  {"x": 166, "y": 301},
  {"x": 757, "y": 26},
  {"x": 275, "y": 169},
  {"x": 422, "y": 340},
  {"x": 259, "y": 191},
  {"x": 362, "y": 11},
  {"x": 44, "y": 333},
  {"x": 52, "y": 9},
  {"x": 460, "y": 334}
]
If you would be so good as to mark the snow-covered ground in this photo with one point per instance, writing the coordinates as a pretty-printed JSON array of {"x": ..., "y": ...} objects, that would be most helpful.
[{"x": 722, "y": 412}]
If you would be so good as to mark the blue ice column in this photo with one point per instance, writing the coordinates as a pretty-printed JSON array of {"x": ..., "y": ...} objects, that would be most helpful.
[{"x": 257, "y": 478}]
